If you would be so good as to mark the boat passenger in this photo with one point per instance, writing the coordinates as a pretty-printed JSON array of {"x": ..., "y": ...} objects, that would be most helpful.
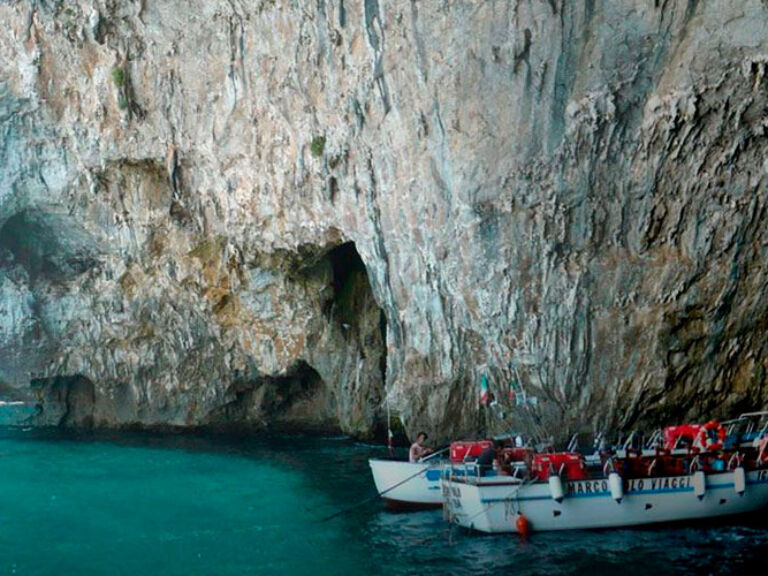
[
  {"x": 418, "y": 450},
  {"x": 487, "y": 457}
]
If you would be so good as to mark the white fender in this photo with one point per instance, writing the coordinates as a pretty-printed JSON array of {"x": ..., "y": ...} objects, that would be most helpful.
[
  {"x": 699, "y": 484},
  {"x": 556, "y": 488},
  {"x": 739, "y": 480},
  {"x": 616, "y": 486}
]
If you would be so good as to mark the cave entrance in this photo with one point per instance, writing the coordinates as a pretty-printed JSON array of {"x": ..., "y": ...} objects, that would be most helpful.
[
  {"x": 351, "y": 287},
  {"x": 338, "y": 381},
  {"x": 296, "y": 400},
  {"x": 65, "y": 400},
  {"x": 300, "y": 399},
  {"x": 353, "y": 298},
  {"x": 364, "y": 331}
]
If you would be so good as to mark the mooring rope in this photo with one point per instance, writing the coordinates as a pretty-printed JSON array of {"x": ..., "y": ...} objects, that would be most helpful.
[{"x": 380, "y": 494}]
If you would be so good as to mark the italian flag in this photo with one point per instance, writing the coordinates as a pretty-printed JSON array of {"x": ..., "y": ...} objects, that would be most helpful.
[{"x": 485, "y": 394}]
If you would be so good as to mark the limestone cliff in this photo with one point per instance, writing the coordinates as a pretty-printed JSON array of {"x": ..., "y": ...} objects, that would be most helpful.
[{"x": 278, "y": 212}]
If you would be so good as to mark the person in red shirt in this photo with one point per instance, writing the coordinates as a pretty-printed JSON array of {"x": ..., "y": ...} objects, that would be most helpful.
[{"x": 418, "y": 451}]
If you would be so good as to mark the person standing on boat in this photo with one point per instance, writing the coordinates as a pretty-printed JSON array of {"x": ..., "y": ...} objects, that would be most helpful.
[
  {"x": 418, "y": 451},
  {"x": 487, "y": 457}
]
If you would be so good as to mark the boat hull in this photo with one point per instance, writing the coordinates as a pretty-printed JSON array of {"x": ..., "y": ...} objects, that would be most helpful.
[
  {"x": 493, "y": 506},
  {"x": 406, "y": 485}
]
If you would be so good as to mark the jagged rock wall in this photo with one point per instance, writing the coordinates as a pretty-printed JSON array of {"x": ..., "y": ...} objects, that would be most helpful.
[{"x": 571, "y": 194}]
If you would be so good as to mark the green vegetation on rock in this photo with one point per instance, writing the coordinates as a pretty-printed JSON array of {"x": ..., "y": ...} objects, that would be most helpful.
[
  {"x": 317, "y": 147},
  {"x": 118, "y": 77}
]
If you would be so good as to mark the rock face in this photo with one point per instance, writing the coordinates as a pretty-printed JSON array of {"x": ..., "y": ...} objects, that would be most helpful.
[{"x": 280, "y": 212}]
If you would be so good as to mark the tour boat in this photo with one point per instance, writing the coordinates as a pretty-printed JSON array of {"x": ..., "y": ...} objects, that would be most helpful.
[{"x": 562, "y": 493}]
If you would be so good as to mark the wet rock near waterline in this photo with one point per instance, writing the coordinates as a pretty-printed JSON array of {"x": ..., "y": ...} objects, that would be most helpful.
[
  {"x": 64, "y": 401},
  {"x": 568, "y": 195}
]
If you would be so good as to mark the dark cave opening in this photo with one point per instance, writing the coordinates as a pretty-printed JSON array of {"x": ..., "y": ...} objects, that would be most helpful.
[
  {"x": 353, "y": 295},
  {"x": 351, "y": 287},
  {"x": 296, "y": 400},
  {"x": 301, "y": 387},
  {"x": 47, "y": 244},
  {"x": 65, "y": 400},
  {"x": 364, "y": 325}
]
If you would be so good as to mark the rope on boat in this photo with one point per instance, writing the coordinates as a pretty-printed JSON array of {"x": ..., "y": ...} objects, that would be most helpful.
[
  {"x": 513, "y": 497},
  {"x": 378, "y": 495}
]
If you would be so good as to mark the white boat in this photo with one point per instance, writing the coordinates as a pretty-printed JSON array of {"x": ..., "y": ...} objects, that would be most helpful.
[
  {"x": 495, "y": 504},
  {"x": 408, "y": 485}
]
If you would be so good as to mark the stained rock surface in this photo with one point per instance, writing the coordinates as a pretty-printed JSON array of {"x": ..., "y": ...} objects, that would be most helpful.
[{"x": 280, "y": 213}]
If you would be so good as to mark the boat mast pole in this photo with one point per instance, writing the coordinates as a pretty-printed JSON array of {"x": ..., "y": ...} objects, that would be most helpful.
[{"x": 390, "y": 435}]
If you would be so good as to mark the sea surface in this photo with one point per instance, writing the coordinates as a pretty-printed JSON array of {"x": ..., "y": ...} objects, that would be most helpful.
[{"x": 145, "y": 504}]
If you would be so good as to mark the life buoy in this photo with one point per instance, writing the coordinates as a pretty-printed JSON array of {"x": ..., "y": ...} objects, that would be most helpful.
[{"x": 705, "y": 437}]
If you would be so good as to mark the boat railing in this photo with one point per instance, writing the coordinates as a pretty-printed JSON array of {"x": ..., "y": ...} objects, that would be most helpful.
[
  {"x": 434, "y": 454},
  {"x": 473, "y": 473},
  {"x": 695, "y": 464},
  {"x": 609, "y": 466},
  {"x": 593, "y": 459},
  {"x": 654, "y": 439},
  {"x": 628, "y": 442},
  {"x": 748, "y": 426},
  {"x": 760, "y": 413}
]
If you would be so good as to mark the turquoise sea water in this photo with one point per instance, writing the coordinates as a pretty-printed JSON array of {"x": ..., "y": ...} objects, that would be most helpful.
[{"x": 188, "y": 505}]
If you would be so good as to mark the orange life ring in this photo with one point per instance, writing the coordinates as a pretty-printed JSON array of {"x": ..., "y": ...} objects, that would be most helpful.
[{"x": 708, "y": 443}]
